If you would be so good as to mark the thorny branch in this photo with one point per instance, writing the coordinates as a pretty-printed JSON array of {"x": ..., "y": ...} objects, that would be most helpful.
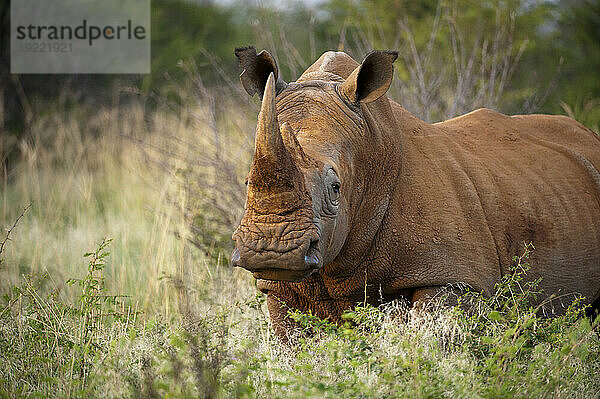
[{"x": 9, "y": 231}]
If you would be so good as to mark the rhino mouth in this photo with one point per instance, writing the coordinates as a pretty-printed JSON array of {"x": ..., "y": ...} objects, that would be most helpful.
[
  {"x": 282, "y": 275},
  {"x": 312, "y": 263}
]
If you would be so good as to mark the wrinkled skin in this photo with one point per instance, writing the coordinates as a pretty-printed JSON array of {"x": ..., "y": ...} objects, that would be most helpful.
[{"x": 350, "y": 195}]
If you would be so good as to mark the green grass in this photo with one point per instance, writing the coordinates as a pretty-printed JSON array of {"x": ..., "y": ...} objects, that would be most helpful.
[{"x": 147, "y": 314}]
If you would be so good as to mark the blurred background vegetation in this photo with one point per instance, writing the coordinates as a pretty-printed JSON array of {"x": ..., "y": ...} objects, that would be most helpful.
[{"x": 552, "y": 46}]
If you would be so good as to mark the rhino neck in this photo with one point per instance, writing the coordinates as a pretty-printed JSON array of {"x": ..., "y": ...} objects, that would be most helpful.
[
  {"x": 391, "y": 125},
  {"x": 384, "y": 150},
  {"x": 377, "y": 163}
]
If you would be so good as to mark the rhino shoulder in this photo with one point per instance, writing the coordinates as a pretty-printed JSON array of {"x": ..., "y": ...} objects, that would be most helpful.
[{"x": 481, "y": 115}]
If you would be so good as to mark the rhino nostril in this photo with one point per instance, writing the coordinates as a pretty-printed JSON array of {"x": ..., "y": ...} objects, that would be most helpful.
[
  {"x": 235, "y": 257},
  {"x": 311, "y": 259}
]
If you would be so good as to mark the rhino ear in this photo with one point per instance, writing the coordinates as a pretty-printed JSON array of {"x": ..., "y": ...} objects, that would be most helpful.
[
  {"x": 371, "y": 79},
  {"x": 256, "y": 70}
]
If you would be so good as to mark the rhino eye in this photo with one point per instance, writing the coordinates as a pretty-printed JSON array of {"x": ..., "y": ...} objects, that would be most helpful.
[
  {"x": 332, "y": 190},
  {"x": 335, "y": 187}
]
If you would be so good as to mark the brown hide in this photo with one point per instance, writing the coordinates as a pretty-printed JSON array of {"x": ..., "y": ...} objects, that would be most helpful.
[{"x": 451, "y": 202}]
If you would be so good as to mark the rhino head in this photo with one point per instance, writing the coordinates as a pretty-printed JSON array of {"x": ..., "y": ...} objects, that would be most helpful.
[{"x": 307, "y": 177}]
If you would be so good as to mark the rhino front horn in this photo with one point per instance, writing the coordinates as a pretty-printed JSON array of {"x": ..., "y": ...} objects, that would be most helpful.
[
  {"x": 273, "y": 167},
  {"x": 269, "y": 143}
]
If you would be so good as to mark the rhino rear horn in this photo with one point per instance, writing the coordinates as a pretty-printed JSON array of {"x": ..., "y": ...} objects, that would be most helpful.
[
  {"x": 371, "y": 79},
  {"x": 256, "y": 70}
]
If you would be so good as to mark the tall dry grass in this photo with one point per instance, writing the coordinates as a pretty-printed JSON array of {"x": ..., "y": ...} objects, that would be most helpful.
[{"x": 88, "y": 176}]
